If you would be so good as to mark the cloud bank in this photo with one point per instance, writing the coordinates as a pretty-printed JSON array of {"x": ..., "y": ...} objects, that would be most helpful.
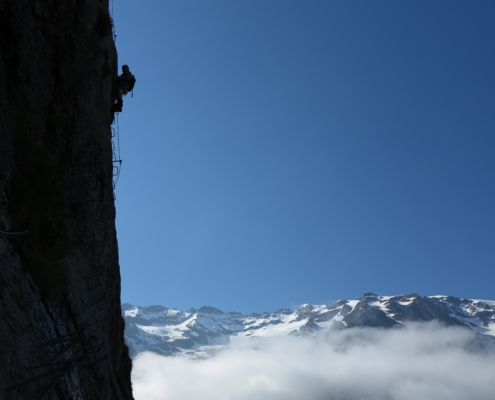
[{"x": 421, "y": 361}]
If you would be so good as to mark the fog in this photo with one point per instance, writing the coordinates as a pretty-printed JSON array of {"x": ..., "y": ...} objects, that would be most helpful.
[{"x": 420, "y": 361}]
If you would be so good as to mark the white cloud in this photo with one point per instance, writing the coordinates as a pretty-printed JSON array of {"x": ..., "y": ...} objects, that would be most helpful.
[{"x": 422, "y": 361}]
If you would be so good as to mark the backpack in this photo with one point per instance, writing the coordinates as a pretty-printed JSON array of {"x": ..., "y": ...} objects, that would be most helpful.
[{"x": 130, "y": 83}]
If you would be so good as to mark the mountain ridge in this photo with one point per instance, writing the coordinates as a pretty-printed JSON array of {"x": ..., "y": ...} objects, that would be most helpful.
[{"x": 200, "y": 333}]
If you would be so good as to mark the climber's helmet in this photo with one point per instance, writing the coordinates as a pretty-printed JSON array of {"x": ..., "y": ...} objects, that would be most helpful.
[{"x": 125, "y": 67}]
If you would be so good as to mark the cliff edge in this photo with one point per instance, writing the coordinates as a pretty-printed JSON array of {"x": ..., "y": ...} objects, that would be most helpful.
[{"x": 61, "y": 329}]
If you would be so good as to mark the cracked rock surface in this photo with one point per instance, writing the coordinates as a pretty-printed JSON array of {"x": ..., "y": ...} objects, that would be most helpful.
[{"x": 58, "y": 319}]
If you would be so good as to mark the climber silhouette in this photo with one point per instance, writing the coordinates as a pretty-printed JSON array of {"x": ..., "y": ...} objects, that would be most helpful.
[{"x": 125, "y": 84}]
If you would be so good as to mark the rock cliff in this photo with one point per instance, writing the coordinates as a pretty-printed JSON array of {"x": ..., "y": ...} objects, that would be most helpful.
[{"x": 61, "y": 330}]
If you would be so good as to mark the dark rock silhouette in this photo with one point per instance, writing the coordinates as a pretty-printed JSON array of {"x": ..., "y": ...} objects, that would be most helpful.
[{"x": 61, "y": 330}]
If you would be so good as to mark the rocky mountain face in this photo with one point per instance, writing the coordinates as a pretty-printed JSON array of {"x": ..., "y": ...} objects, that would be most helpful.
[
  {"x": 201, "y": 333},
  {"x": 61, "y": 329}
]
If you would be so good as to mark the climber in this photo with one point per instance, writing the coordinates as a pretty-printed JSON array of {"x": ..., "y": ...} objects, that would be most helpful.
[{"x": 125, "y": 84}]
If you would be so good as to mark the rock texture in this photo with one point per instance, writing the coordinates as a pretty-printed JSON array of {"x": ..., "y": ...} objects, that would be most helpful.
[{"x": 61, "y": 330}]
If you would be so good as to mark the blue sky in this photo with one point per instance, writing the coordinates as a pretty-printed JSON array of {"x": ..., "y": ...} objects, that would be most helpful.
[{"x": 287, "y": 152}]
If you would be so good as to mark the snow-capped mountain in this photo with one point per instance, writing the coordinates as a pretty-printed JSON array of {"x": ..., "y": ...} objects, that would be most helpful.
[{"x": 200, "y": 333}]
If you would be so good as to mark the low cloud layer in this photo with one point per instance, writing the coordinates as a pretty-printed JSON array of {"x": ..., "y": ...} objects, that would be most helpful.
[{"x": 421, "y": 361}]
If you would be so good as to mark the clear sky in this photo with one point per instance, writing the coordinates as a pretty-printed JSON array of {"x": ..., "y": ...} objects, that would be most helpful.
[{"x": 284, "y": 152}]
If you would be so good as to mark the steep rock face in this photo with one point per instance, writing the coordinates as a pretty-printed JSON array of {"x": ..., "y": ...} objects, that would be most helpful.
[{"x": 58, "y": 319}]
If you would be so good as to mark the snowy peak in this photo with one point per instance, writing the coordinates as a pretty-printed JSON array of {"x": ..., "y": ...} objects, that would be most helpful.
[
  {"x": 200, "y": 333},
  {"x": 210, "y": 310}
]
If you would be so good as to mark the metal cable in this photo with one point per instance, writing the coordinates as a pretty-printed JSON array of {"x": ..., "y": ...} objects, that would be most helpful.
[
  {"x": 116, "y": 132},
  {"x": 118, "y": 136},
  {"x": 15, "y": 233},
  {"x": 43, "y": 258}
]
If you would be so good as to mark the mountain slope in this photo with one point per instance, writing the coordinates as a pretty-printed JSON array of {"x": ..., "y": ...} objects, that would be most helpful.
[{"x": 200, "y": 333}]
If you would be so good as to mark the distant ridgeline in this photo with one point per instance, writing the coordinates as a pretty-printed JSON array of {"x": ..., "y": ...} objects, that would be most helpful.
[{"x": 201, "y": 333}]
